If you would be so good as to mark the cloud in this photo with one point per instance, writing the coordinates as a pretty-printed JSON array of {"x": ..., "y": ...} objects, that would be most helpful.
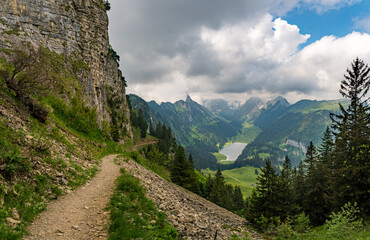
[
  {"x": 319, "y": 67},
  {"x": 214, "y": 48},
  {"x": 362, "y": 23}
]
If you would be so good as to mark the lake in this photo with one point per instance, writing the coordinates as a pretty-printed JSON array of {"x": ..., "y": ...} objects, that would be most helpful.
[{"x": 233, "y": 150}]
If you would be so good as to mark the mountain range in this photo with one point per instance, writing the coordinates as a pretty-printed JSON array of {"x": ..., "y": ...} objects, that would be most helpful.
[
  {"x": 195, "y": 127},
  {"x": 272, "y": 130}
]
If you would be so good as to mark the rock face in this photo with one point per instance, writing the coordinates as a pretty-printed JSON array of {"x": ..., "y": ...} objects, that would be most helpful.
[
  {"x": 193, "y": 216},
  {"x": 70, "y": 27}
]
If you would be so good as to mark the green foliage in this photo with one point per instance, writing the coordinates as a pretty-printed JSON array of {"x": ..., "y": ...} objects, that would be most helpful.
[
  {"x": 154, "y": 166},
  {"x": 350, "y": 156},
  {"x": 247, "y": 133},
  {"x": 194, "y": 127},
  {"x": 133, "y": 216},
  {"x": 106, "y": 5},
  {"x": 77, "y": 116},
  {"x": 137, "y": 120},
  {"x": 245, "y": 177},
  {"x": 343, "y": 223},
  {"x": 302, "y": 223},
  {"x": 183, "y": 173},
  {"x": 113, "y": 54}
]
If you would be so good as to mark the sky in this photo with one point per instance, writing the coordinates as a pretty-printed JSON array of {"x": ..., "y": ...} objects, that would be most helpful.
[{"x": 234, "y": 50}]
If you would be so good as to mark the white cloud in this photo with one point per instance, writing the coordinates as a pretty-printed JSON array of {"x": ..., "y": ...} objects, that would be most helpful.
[
  {"x": 320, "y": 66},
  {"x": 362, "y": 23}
]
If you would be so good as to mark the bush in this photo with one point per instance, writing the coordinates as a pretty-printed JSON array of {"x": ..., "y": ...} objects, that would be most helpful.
[
  {"x": 344, "y": 223},
  {"x": 13, "y": 164},
  {"x": 302, "y": 223},
  {"x": 285, "y": 230},
  {"x": 77, "y": 116}
]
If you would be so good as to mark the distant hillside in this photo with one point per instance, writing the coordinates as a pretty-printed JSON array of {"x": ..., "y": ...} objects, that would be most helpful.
[
  {"x": 194, "y": 126},
  {"x": 272, "y": 130},
  {"x": 291, "y": 132},
  {"x": 271, "y": 112}
]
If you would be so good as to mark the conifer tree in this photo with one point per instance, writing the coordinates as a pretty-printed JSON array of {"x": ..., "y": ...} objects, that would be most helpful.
[
  {"x": 264, "y": 200},
  {"x": 299, "y": 186},
  {"x": 208, "y": 186},
  {"x": 238, "y": 201},
  {"x": 191, "y": 161},
  {"x": 326, "y": 147},
  {"x": 287, "y": 204},
  {"x": 182, "y": 173},
  {"x": 192, "y": 182},
  {"x": 352, "y": 139},
  {"x": 178, "y": 170},
  {"x": 220, "y": 193},
  {"x": 318, "y": 193},
  {"x": 311, "y": 158}
]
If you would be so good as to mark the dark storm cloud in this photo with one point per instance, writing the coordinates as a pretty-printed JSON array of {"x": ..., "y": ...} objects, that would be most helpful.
[{"x": 145, "y": 31}]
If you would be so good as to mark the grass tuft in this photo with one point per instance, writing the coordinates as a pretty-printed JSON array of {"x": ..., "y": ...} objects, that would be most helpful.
[{"x": 133, "y": 216}]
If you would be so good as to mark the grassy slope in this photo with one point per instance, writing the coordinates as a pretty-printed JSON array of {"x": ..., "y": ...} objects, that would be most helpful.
[
  {"x": 40, "y": 162},
  {"x": 244, "y": 177},
  {"x": 133, "y": 216},
  {"x": 248, "y": 133}
]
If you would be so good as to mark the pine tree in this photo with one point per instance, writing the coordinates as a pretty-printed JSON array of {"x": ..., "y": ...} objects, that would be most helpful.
[
  {"x": 264, "y": 200},
  {"x": 287, "y": 204},
  {"x": 208, "y": 186},
  {"x": 326, "y": 147},
  {"x": 192, "y": 182},
  {"x": 220, "y": 193},
  {"x": 238, "y": 201},
  {"x": 318, "y": 193},
  {"x": 352, "y": 139},
  {"x": 299, "y": 186},
  {"x": 143, "y": 126},
  {"x": 178, "y": 170},
  {"x": 182, "y": 173},
  {"x": 311, "y": 158},
  {"x": 191, "y": 161}
]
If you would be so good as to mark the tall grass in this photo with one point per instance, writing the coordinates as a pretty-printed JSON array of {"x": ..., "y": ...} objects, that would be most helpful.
[{"x": 133, "y": 216}]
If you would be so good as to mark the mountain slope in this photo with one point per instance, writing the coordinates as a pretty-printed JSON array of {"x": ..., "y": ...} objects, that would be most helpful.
[
  {"x": 271, "y": 112},
  {"x": 193, "y": 216},
  {"x": 292, "y": 132},
  {"x": 194, "y": 126}
]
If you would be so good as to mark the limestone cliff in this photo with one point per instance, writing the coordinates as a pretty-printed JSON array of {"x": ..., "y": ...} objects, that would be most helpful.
[{"x": 78, "y": 27}]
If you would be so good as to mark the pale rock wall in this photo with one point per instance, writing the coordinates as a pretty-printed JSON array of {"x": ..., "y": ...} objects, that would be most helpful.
[{"x": 66, "y": 27}]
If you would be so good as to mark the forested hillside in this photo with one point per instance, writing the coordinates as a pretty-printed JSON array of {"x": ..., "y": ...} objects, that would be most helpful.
[{"x": 194, "y": 126}]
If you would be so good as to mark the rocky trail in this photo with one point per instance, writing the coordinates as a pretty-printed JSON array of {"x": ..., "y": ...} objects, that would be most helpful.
[{"x": 80, "y": 214}]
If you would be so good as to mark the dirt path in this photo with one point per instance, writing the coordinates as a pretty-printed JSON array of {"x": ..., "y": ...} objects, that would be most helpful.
[
  {"x": 81, "y": 214},
  {"x": 142, "y": 144}
]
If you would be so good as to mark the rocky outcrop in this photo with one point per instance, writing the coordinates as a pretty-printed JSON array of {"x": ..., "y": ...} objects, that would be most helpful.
[
  {"x": 69, "y": 27},
  {"x": 193, "y": 216}
]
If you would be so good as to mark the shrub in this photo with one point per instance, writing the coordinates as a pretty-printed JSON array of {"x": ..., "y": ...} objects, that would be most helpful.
[
  {"x": 77, "y": 116},
  {"x": 344, "y": 222},
  {"x": 302, "y": 223}
]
